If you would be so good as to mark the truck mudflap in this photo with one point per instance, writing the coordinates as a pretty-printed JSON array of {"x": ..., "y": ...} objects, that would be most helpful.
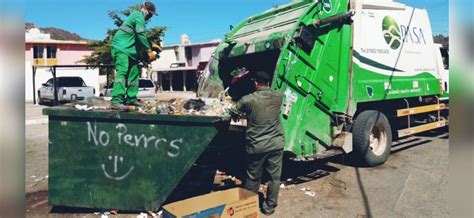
[{"x": 122, "y": 160}]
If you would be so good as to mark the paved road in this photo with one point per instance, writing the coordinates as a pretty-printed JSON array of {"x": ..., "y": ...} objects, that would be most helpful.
[{"x": 413, "y": 182}]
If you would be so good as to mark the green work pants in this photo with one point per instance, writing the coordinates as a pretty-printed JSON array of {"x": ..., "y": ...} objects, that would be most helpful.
[
  {"x": 127, "y": 76},
  {"x": 271, "y": 162}
]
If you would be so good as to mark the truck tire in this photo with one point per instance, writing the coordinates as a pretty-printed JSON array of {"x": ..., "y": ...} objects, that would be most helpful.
[{"x": 372, "y": 138}]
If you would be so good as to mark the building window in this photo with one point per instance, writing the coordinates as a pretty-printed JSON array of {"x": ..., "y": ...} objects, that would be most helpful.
[
  {"x": 176, "y": 53},
  {"x": 51, "y": 51},
  {"x": 38, "y": 51},
  {"x": 188, "y": 52}
]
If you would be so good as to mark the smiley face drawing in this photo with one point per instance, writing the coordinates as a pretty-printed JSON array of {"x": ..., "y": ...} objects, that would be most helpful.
[{"x": 116, "y": 160}]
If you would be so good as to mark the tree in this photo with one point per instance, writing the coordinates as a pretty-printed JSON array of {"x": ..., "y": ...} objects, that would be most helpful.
[{"x": 101, "y": 48}]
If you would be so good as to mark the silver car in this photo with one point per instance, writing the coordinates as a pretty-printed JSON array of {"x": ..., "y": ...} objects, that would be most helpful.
[{"x": 146, "y": 89}]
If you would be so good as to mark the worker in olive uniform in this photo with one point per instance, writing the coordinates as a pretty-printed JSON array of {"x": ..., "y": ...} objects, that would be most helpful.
[
  {"x": 264, "y": 136},
  {"x": 127, "y": 42}
]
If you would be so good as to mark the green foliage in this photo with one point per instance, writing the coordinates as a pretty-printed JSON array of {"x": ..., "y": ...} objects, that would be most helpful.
[{"x": 101, "y": 53}]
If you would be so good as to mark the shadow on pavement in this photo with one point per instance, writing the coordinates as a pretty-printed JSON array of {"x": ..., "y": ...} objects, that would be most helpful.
[
  {"x": 368, "y": 211},
  {"x": 409, "y": 145}
]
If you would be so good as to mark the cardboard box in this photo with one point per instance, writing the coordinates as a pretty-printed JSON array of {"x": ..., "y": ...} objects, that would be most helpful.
[{"x": 236, "y": 202}]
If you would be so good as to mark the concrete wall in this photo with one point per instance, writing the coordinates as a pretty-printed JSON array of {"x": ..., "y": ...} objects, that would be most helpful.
[
  {"x": 70, "y": 54},
  {"x": 196, "y": 55},
  {"x": 206, "y": 53},
  {"x": 167, "y": 57},
  {"x": 199, "y": 53},
  {"x": 29, "y": 53},
  {"x": 90, "y": 76}
]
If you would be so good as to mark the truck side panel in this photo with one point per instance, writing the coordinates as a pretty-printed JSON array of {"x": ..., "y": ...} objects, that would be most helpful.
[
  {"x": 393, "y": 54},
  {"x": 315, "y": 81}
]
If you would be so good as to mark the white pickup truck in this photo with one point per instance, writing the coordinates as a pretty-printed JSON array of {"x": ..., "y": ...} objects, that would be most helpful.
[{"x": 69, "y": 89}]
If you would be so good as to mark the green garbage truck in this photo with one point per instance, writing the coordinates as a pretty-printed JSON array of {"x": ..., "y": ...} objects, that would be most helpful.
[{"x": 354, "y": 74}]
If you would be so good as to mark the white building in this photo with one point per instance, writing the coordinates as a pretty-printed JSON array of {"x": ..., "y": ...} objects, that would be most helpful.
[
  {"x": 42, "y": 52},
  {"x": 179, "y": 65}
]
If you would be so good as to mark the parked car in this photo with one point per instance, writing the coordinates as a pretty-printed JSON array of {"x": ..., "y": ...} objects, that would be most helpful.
[
  {"x": 69, "y": 89},
  {"x": 146, "y": 89}
]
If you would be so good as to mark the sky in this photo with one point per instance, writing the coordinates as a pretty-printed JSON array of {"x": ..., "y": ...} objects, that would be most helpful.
[{"x": 202, "y": 20}]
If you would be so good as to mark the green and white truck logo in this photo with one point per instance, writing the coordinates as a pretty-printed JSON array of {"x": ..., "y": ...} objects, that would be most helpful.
[
  {"x": 327, "y": 6},
  {"x": 391, "y": 32}
]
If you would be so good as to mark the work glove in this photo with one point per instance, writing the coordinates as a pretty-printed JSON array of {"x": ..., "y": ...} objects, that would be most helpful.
[
  {"x": 151, "y": 55},
  {"x": 156, "y": 48}
]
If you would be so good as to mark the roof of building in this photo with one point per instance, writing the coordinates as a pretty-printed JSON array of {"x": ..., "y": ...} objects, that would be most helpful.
[
  {"x": 54, "y": 41},
  {"x": 192, "y": 44},
  {"x": 35, "y": 35}
]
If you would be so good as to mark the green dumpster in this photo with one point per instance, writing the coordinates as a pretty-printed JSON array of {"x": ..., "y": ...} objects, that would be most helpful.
[{"x": 122, "y": 160}]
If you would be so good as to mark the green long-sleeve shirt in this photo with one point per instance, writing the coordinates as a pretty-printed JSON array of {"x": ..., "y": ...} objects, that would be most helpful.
[
  {"x": 264, "y": 130},
  {"x": 131, "y": 36}
]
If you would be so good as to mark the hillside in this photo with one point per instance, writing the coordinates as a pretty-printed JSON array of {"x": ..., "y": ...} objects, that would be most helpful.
[{"x": 56, "y": 33}]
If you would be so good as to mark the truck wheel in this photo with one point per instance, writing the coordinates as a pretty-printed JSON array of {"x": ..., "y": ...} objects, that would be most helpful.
[{"x": 372, "y": 138}]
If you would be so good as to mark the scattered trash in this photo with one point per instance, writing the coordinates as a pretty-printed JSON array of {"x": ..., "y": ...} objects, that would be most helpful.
[
  {"x": 176, "y": 106},
  {"x": 221, "y": 180},
  {"x": 39, "y": 179},
  {"x": 194, "y": 104},
  {"x": 91, "y": 104},
  {"x": 83, "y": 107},
  {"x": 287, "y": 186},
  {"x": 103, "y": 216},
  {"x": 142, "y": 215},
  {"x": 33, "y": 176},
  {"x": 312, "y": 194},
  {"x": 307, "y": 191},
  {"x": 152, "y": 214},
  {"x": 179, "y": 106}
]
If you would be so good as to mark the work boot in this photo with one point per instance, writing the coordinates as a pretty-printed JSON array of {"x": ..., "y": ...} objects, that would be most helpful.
[{"x": 266, "y": 213}]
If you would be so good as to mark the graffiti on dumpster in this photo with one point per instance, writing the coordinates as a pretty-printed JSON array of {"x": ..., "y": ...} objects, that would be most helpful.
[
  {"x": 103, "y": 138},
  {"x": 115, "y": 159}
]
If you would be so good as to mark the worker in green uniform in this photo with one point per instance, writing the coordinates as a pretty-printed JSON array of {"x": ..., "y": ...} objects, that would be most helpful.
[
  {"x": 264, "y": 137},
  {"x": 127, "y": 42}
]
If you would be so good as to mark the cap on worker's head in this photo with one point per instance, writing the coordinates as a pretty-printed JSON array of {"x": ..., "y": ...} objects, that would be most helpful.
[
  {"x": 262, "y": 77},
  {"x": 150, "y": 7}
]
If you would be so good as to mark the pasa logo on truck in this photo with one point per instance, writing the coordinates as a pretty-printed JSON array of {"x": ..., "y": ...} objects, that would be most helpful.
[
  {"x": 391, "y": 32},
  {"x": 394, "y": 33}
]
